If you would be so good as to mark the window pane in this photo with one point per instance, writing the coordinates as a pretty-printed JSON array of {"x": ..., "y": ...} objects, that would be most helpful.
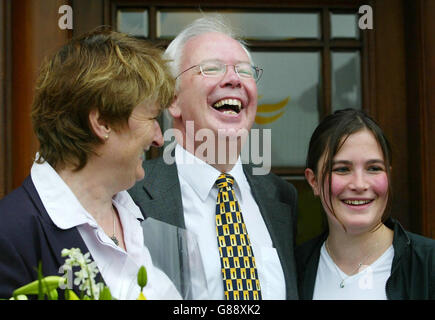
[
  {"x": 344, "y": 26},
  {"x": 288, "y": 103},
  {"x": 254, "y": 26},
  {"x": 346, "y": 80},
  {"x": 133, "y": 21}
]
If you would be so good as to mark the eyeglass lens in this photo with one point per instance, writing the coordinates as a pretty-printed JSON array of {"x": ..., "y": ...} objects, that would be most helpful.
[{"x": 244, "y": 70}]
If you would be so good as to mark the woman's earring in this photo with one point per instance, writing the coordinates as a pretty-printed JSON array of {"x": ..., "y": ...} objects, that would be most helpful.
[{"x": 107, "y": 134}]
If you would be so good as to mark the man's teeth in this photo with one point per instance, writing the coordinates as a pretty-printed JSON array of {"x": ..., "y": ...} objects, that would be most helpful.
[
  {"x": 230, "y": 102},
  {"x": 357, "y": 202}
]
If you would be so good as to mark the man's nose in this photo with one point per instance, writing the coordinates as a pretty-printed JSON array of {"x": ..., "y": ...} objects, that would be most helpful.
[{"x": 231, "y": 78}]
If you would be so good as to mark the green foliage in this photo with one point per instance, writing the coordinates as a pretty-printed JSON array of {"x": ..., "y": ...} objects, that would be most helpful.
[{"x": 47, "y": 287}]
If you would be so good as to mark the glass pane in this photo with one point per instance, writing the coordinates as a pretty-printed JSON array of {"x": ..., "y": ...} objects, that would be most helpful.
[
  {"x": 288, "y": 103},
  {"x": 253, "y": 26},
  {"x": 133, "y": 21},
  {"x": 344, "y": 26},
  {"x": 346, "y": 80}
]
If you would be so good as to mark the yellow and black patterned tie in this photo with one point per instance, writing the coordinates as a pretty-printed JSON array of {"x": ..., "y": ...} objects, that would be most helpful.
[{"x": 237, "y": 257}]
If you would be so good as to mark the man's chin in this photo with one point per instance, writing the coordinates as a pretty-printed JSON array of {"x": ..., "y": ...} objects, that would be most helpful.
[{"x": 233, "y": 132}]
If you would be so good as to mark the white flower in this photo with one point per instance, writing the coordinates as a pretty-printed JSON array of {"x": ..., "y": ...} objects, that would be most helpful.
[
  {"x": 87, "y": 258},
  {"x": 85, "y": 277},
  {"x": 80, "y": 276}
]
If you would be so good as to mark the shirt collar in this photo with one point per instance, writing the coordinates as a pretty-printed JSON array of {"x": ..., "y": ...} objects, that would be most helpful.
[
  {"x": 239, "y": 178},
  {"x": 61, "y": 204},
  {"x": 64, "y": 209},
  {"x": 202, "y": 176},
  {"x": 124, "y": 200}
]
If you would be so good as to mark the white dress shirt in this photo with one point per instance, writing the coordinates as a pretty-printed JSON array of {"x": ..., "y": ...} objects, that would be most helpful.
[
  {"x": 199, "y": 194},
  {"x": 118, "y": 267}
]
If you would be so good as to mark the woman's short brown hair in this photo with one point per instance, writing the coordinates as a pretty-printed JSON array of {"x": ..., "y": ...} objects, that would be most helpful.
[{"x": 102, "y": 69}]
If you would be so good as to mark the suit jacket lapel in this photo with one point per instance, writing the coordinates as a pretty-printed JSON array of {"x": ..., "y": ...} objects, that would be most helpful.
[
  {"x": 163, "y": 188},
  {"x": 277, "y": 216},
  {"x": 271, "y": 209}
]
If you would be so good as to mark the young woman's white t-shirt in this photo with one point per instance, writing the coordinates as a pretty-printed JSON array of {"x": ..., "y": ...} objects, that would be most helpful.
[{"x": 368, "y": 284}]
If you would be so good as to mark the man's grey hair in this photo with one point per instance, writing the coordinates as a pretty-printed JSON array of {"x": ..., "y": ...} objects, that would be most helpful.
[{"x": 205, "y": 24}]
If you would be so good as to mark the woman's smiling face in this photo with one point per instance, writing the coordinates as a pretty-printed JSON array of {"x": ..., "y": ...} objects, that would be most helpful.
[
  {"x": 359, "y": 184},
  {"x": 129, "y": 145}
]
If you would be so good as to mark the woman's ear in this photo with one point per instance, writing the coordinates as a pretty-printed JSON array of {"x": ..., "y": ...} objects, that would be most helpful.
[
  {"x": 99, "y": 126},
  {"x": 311, "y": 178},
  {"x": 174, "y": 109}
]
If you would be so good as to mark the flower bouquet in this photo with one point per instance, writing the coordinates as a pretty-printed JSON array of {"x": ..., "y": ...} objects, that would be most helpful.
[{"x": 47, "y": 287}]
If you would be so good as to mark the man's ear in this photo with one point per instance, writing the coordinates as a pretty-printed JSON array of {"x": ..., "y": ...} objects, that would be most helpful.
[
  {"x": 311, "y": 178},
  {"x": 99, "y": 126},
  {"x": 174, "y": 109}
]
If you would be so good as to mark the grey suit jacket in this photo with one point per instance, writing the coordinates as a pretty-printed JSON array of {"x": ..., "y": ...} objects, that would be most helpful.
[{"x": 159, "y": 197}]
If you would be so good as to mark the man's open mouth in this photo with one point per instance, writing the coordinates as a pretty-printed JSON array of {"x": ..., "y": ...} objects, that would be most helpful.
[{"x": 228, "y": 106}]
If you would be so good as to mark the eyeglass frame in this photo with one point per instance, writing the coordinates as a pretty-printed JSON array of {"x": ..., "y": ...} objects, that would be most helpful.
[{"x": 257, "y": 69}]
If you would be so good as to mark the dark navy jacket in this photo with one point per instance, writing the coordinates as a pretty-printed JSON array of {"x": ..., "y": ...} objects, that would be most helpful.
[{"x": 28, "y": 236}]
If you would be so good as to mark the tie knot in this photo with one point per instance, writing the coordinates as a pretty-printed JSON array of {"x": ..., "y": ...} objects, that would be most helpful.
[{"x": 225, "y": 180}]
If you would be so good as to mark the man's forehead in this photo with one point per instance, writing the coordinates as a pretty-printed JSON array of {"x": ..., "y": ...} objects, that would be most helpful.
[
  {"x": 211, "y": 37},
  {"x": 199, "y": 47}
]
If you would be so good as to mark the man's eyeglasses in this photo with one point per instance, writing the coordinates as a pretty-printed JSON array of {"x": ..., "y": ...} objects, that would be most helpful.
[{"x": 217, "y": 68}]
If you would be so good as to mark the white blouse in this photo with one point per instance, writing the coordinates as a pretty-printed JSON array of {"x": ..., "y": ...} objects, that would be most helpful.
[{"x": 118, "y": 267}]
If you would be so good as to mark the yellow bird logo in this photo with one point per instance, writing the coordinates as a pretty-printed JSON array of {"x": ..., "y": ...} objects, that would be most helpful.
[{"x": 271, "y": 108}]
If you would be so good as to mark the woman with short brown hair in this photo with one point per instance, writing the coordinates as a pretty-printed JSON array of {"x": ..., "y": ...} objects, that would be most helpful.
[{"x": 94, "y": 114}]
